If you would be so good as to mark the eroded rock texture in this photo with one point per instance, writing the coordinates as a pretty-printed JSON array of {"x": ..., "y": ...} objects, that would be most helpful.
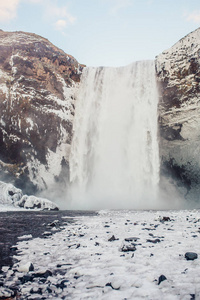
[
  {"x": 178, "y": 71},
  {"x": 37, "y": 84}
]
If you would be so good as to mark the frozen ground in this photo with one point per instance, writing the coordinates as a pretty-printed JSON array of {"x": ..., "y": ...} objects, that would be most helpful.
[{"x": 90, "y": 259}]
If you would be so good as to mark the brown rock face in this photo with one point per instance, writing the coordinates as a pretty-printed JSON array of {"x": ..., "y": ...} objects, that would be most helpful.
[
  {"x": 37, "y": 85},
  {"x": 178, "y": 72}
]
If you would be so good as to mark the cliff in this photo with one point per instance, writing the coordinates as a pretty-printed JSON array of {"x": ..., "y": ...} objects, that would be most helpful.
[
  {"x": 37, "y": 84},
  {"x": 178, "y": 73}
]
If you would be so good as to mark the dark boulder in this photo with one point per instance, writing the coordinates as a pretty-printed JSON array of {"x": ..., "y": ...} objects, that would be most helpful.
[{"x": 191, "y": 255}]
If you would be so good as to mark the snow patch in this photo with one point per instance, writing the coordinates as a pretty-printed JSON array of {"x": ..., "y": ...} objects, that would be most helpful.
[{"x": 81, "y": 263}]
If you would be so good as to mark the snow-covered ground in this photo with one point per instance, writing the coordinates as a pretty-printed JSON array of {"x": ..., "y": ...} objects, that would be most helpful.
[{"x": 112, "y": 255}]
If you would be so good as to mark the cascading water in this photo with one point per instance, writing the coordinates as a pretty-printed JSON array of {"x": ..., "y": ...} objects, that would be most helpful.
[{"x": 114, "y": 160}]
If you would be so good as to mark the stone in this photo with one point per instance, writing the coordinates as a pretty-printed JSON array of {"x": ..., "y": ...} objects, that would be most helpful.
[
  {"x": 26, "y": 267},
  {"x": 131, "y": 239},
  {"x": 54, "y": 223},
  {"x": 161, "y": 279},
  {"x": 6, "y": 293},
  {"x": 36, "y": 291},
  {"x": 117, "y": 287},
  {"x": 154, "y": 241},
  {"x": 165, "y": 219},
  {"x": 26, "y": 278},
  {"x": 112, "y": 239},
  {"x": 191, "y": 255},
  {"x": 127, "y": 248}
]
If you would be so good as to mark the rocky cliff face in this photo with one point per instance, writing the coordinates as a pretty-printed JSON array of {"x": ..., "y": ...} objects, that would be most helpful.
[
  {"x": 37, "y": 84},
  {"x": 178, "y": 72}
]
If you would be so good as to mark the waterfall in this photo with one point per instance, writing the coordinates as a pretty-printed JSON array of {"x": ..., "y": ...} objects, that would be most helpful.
[{"x": 114, "y": 161}]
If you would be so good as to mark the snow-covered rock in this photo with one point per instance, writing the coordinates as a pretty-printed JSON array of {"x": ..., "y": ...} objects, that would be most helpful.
[
  {"x": 25, "y": 268},
  {"x": 12, "y": 196},
  {"x": 178, "y": 72},
  {"x": 9, "y": 194},
  {"x": 36, "y": 202},
  {"x": 37, "y": 85}
]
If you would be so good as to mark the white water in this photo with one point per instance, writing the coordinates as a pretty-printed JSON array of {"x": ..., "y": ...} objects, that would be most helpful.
[{"x": 114, "y": 160}]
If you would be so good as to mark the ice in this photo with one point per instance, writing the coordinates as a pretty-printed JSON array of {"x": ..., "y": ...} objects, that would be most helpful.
[{"x": 12, "y": 198}]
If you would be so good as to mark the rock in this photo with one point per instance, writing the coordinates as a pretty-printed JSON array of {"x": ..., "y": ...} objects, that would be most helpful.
[
  {"x": 131, "y": 239},
  {"x": 10, "y": 195},
  {"x": 33, "y": 202},
  {"x": 154, "y": 241},
  {"x": 13, "y": 248},
  {"x": 26, "y": 278},
  {"x": 127, "y": 248},
  {"x": 178, "y": 74},
  {"x": 191, "y": 255},
  {"x": 112, "y": 239},
  {"x": 37, "y": 110},
  {"x": 165, "y": 219},
  {"x": 113, "y": 286},
  {"x": 62, "y": 284},
  {"x": 36, "y": 291},
  {"x": 54, "y": 223},
  {"x": 161, "y": 278},
  {"x": 44, "y": 274},
  {"x": 26, "y": 267},
  {"x": 6, "y": 293}
]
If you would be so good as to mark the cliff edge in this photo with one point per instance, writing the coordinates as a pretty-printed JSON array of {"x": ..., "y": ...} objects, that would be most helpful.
[{"x": 37, "y": 84}]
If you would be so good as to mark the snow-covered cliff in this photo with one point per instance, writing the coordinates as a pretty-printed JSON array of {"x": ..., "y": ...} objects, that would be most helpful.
[
  {"x": 178, "y": 71},
  {"x": 37, "y": 84}
]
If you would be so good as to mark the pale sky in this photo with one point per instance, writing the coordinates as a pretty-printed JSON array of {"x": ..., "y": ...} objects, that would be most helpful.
[{"x": 104, "y": 32}]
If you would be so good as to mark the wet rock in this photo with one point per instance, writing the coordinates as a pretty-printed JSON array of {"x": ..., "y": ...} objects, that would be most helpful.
[
  {"x": 13, "y": 248},
  {"x": 191, "y": 255},
  {"x": 161, "y": 279}
]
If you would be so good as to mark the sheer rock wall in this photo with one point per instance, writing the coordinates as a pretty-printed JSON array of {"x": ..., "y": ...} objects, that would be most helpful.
[
  {"x": 37, "y": 86},
  {"x": 178, "y": 73}
]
